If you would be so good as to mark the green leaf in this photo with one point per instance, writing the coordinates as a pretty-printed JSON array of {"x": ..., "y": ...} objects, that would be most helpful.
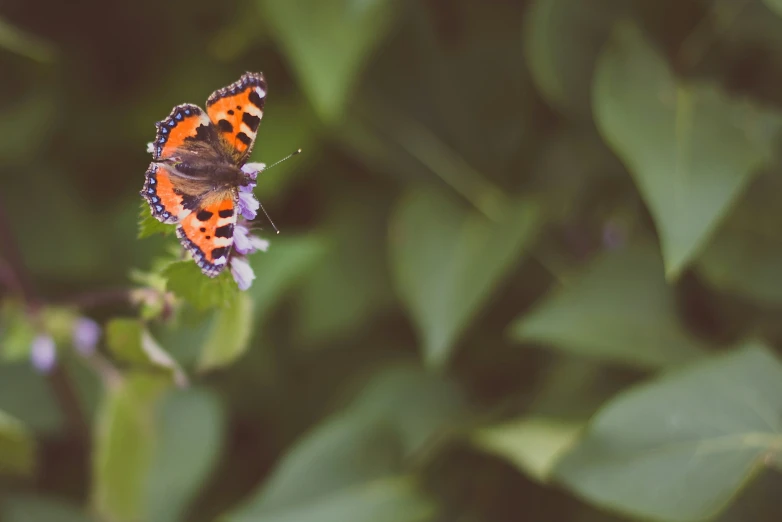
[
  {"x": 149, "y": 226},
  {"x": 680, "y": 447},
  {"x": 744, "y": 256},
  {"x": 130, "y": 341},
  {"x": 36, "y": 508},
  {"x": 534, "y": 445},
  {"x": 363, "y": 449},
  {"x": 280, "y": 268},
  {"x": 25, "y": 44},
  {"x": 124, "y": 447},
  {"x": 327, "y": 43},
  {"x": 190, "y": 436},
  {"x": 186, "y": 281},
  {"x": 447, "y": 262},
  {"x": 392, "y": 500},
  {"x": 229, "y": 334},
  {"x": 16, "y": 332},
  {"x": 27, "y": 395},
  {"x": 621, "y": 309},
  {"x": 562, "y": 68},
  {"x": 353, "y": 267},
  {"x": 775, "y": 5},
  {"x": 17, "y": 447},
  {"x": 690, "y": 148}
]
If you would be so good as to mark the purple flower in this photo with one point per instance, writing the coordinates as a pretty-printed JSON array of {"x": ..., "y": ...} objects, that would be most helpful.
[
  {"x": 245, "y": 244},
  {"x": 43, "y": 353},
  {"x": 252, "y": 169},
  {"x": 86, "y": 334},
  {"x": 242, "y": 272},
  {"x": 248, "y": 205}
]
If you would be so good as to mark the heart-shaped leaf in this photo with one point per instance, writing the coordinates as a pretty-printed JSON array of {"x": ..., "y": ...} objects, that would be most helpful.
[
  {"x": 534, "y": 445},
  {"x": 620, "y": 309},
  {"x": 448, "y": 260},
  {"x": 690, "y": 148},
  {"x": 681, "y": 447},
  {"x": 328, "y": 42}
]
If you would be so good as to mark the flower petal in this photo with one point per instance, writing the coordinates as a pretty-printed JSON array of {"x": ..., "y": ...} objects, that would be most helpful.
[
  {"x": 86, "y": 334},
  {"x": 248, "y": 205},
  {"x": 242, "y": 272},
  {"x": 259, "y": 244},
  {"x": 252, "y": 169},
  {"x": 242, "y": 242},
  {"x": 43, "y": 353}
]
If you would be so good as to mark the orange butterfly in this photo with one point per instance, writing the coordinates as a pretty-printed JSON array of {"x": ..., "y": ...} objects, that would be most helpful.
[{"x": 198, "y": 178}]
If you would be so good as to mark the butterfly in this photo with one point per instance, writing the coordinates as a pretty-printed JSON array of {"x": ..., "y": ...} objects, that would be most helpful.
[{"x": 196, "y": 173}]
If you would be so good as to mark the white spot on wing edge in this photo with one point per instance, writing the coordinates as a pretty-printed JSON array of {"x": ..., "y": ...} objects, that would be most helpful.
[
  {"x": 182, "y": 215},
  {"x": 219, "y": 261},
  {"x": 260, "y": 91}
]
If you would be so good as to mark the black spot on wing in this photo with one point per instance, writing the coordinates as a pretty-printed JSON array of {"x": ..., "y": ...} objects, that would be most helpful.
[
  {"x": 256, "y": 99},
  {"x": 251, "y": 121},
  {"x": 219, "y": 252},
  {"x": 244, "y": 138},
  {"x": 226, "y": 212},
  {"x": 225, "y": 126},
  {"x": 224, "y": 231},
  {"x": 204, "y": 215}
]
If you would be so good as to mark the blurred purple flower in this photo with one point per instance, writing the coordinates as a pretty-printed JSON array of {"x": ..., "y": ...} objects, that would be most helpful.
[
  {"x": 43, "y": 353},
  {"x": 248, "y": 205},
  {"x": 242, "y": 272},
  {"x": 86, "y": 334}
]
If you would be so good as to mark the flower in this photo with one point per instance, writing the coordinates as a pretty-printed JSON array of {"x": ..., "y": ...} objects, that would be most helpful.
[
  {"x": 86, "y": 334},
  {"x": 43, "y": 353},
  {"x": 248, "y": 205},
  {"x": 252, "y": 169},
  {"x": 242, "y": 272}
]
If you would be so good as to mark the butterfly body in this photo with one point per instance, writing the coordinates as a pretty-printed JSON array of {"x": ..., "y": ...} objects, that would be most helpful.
[{"x": 196, "y": 173}]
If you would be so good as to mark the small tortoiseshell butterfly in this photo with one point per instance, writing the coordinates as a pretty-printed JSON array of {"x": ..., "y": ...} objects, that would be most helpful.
[{"x": 195, "y": 177}]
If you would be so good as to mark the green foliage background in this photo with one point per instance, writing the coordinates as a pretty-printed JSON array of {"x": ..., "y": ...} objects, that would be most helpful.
[{"x": 530, "y": 265}]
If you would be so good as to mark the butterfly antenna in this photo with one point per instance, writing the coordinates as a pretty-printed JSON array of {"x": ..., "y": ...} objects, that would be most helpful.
[
  {"x": 289, "y": 156},
  {"x": 270, "y": 219}
]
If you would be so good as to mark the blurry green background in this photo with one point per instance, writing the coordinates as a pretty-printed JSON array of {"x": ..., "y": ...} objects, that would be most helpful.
[{"x": 530, "y": 264}]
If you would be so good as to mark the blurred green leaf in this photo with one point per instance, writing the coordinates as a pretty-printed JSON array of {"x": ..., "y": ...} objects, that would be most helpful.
[
  {"x": 690, "y": 149},
  {"x": 744, "y": 256},
  {"x": 350, "y": 284},
  {"x": 16, "y": 331},
  {"x": 562, "y": 67},
  {"x": 418, "y": 404},
  {"x": 681, "y": 447},
  {"x": 124, "y": 447},
  {"x": 621, "y": 309},
  {"x": 185, "y": 280},
  {"x": 327, "y": 43},
  {"x": 17, "y": 447},
  {"x": 396, "y": 412},
  {"x": 391, "y": 500},
  {"x": 23, "y": 43},
  {"x": 148, "y": 225},
  {"x": 26, "y": 124},
  {"x": 534, "y": 445},
  {"x": 283, "y": 266},
  {"x": 775, "y": 5},
  {"x": 130, "y": 341},
  {"x": 27, "y": 396},
  {"x": 190, "y": 437},
  {"x": 229, "y": 334},
  {"x": 448, "y": 261},
  {"x": 36, "y": 508}
]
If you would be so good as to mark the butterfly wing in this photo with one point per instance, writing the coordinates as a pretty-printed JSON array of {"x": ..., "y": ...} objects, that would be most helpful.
[
  {"x": 207, "y": 232},
  {"x": 236, "y": 113},
  {"x": 187, "y": 127},
  {"x": 169, "y": 196}
]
